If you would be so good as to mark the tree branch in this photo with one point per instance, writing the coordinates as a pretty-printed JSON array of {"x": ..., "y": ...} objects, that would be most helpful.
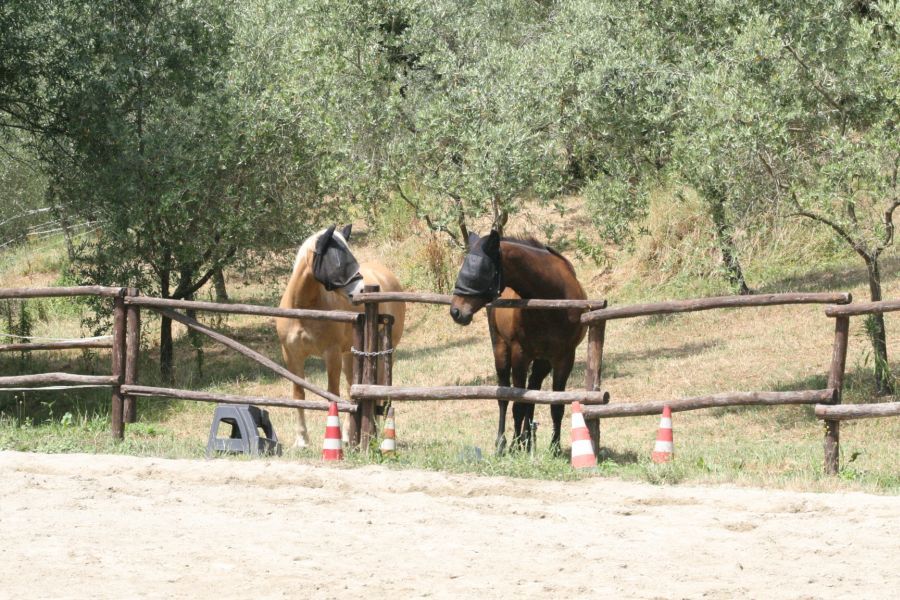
[
  {"x": 889, "y": 223},
  {"x": 427, "y": 218},
  {"x": 842, "y": 233},
  {"x": 818, "y": 87},
  {"x": 184, "y": 291}
]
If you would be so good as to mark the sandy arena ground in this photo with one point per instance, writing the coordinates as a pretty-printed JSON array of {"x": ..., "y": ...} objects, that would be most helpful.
[{"x": 87, "y": 526}]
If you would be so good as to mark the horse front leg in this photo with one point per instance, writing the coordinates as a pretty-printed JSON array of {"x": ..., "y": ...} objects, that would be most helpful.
[
  {"x": 503, "y": 367},
  {"x": 540, "y": 368},
  {"x": 561, "y": 372},
  {"x": 333, "y": 364}
]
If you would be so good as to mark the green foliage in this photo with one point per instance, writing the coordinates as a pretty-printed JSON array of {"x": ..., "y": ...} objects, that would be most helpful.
[{"x": 436, "y": 102}]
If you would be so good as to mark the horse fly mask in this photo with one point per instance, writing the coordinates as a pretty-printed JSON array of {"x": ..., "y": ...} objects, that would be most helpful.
[
  {"x": 333, "y": 264},
  {"x": 481, "y": 273}
]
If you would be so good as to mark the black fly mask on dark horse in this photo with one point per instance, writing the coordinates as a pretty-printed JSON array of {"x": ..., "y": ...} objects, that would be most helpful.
[
  {"x": 481, "y": 273},
  {"x": 334, "y": 266}
]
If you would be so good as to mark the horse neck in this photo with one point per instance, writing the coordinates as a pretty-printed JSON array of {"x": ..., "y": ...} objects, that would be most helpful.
[
  {"x": 303, "y": 291},
  {"x": 535, "y": 273}
]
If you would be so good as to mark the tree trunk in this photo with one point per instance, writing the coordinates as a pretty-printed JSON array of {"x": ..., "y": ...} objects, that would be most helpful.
[
  {"x": 166, "y": 353},
  {"x": 219, "y": 285},
  {"x": 725, "y": 240},
  {"x": 877, "y": 331}
]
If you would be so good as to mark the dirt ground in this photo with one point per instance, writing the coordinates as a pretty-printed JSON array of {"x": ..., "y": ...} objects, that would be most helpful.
[{"x": 88, "y": 526}]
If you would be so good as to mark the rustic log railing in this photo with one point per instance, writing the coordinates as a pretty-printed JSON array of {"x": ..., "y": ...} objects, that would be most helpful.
[
  {"x": 847, "y": 412},
  {"x": 166, "y": 307},
  {"x": 475, "y": 392},
  {"x": 425, "y": 298},
  {"x": 597, "y": 319},
  {"x": 724, "y": 399},
  {"x": 70, "y": 380},
  {"x": 125, "y": 345},
  {"x": 73, "y": 344},
  {"x": 373, "y": 360},
  {"x": 833, "y": 415}
]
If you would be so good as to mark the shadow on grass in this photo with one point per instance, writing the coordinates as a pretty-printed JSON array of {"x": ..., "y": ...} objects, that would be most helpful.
[
  {"x": 403, "y": 354},
  {"x": 40, "y": 406},
  {"x": 620, "y": 458},
  {"x": 615, "y": 363},
  {"x": 832, "y": 278}
]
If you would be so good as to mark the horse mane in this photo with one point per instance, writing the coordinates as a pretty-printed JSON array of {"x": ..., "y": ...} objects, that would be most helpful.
[{"x": 533, "y": 243}]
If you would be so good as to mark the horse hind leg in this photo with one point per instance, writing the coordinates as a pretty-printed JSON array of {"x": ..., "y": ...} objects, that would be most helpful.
[
  {"x": 296, "y": 364},
  {"x": 520, "y": 365}
]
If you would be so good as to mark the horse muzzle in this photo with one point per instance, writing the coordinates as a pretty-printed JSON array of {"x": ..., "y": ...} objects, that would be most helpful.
[{"x": 461, "y": 317}]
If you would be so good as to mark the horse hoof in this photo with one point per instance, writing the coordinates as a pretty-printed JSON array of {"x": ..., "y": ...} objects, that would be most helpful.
[
  {"x": 301, "y": 444},
  {"x": 501, "y": 445}
]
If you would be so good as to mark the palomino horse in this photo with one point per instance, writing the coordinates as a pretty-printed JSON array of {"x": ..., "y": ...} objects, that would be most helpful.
[
  {"x": 325, "y": 277},
  {"x": 545, "y": 340}
]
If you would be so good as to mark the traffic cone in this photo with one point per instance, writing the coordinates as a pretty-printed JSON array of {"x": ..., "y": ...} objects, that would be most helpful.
[
  {"x": 332, "y": 448},
  {"x": 389, "y": 443},
  {"x": 582, "y": 449},
  {"x": 664, "y": 450}
]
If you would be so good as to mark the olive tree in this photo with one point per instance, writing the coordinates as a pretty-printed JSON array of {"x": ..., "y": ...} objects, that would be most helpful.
[
  {"x": 158, "y": 135},
  {"x": 432, "y": 102},
  {"x": 795, "y": 108}
]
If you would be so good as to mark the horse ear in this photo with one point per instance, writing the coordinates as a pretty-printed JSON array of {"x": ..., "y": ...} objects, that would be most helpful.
[
  {"x": 324, "y": 240},
  {"x": 346, "y": 232},
  {"x": 473, "y": 238},
  {"x": 492, "y": 243}
]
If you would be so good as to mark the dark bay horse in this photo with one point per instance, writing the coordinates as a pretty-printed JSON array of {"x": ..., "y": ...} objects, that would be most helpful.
[{"x": 544, "y": 340}]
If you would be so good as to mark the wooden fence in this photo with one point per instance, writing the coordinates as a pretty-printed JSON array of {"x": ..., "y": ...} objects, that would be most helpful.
[
  {"x": 596, "y": 401},
  {"x": 373, "y": 349}
]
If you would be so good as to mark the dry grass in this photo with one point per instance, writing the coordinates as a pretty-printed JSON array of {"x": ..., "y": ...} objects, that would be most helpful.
[{"x": 774, "y": 348}]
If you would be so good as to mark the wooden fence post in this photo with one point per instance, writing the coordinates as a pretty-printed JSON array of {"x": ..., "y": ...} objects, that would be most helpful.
[
  {"x": 369, "y": 371},
  {"x": 592, "y": 370},
  {"x": 116, "y": 412},
  {"x": 836, "y": 381},
  {"x": 359, "y": 336},
  {"x": 132, "y": 355},
  {"x": 387, "y": 345}
]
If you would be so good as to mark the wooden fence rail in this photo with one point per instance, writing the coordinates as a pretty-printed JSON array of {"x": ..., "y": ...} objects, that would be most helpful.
[
  {"x": 863, "y": 308},
  {"x": 74, "y": 344},
  {"x": 725, "y": 399},
  {"x": 59, "y": 292},
  {"x": 56, "y": 379},
  {"x": 424, "y": 298},
  {"x": 475, "y": 392},
  {"x": 341, "y": 316},
  {"x": 680, "y": 306},
  {"x": 847, "y": 412},
  {"x": 162, "y": 392}
]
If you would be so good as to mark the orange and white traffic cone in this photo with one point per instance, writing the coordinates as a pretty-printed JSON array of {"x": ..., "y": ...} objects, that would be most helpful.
[
  {"x": 664, "y": 450},
  {"x": 582, "y": 449},
  {"x": 389, "y": 443},
  {"x": 332, "y": 447}
]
